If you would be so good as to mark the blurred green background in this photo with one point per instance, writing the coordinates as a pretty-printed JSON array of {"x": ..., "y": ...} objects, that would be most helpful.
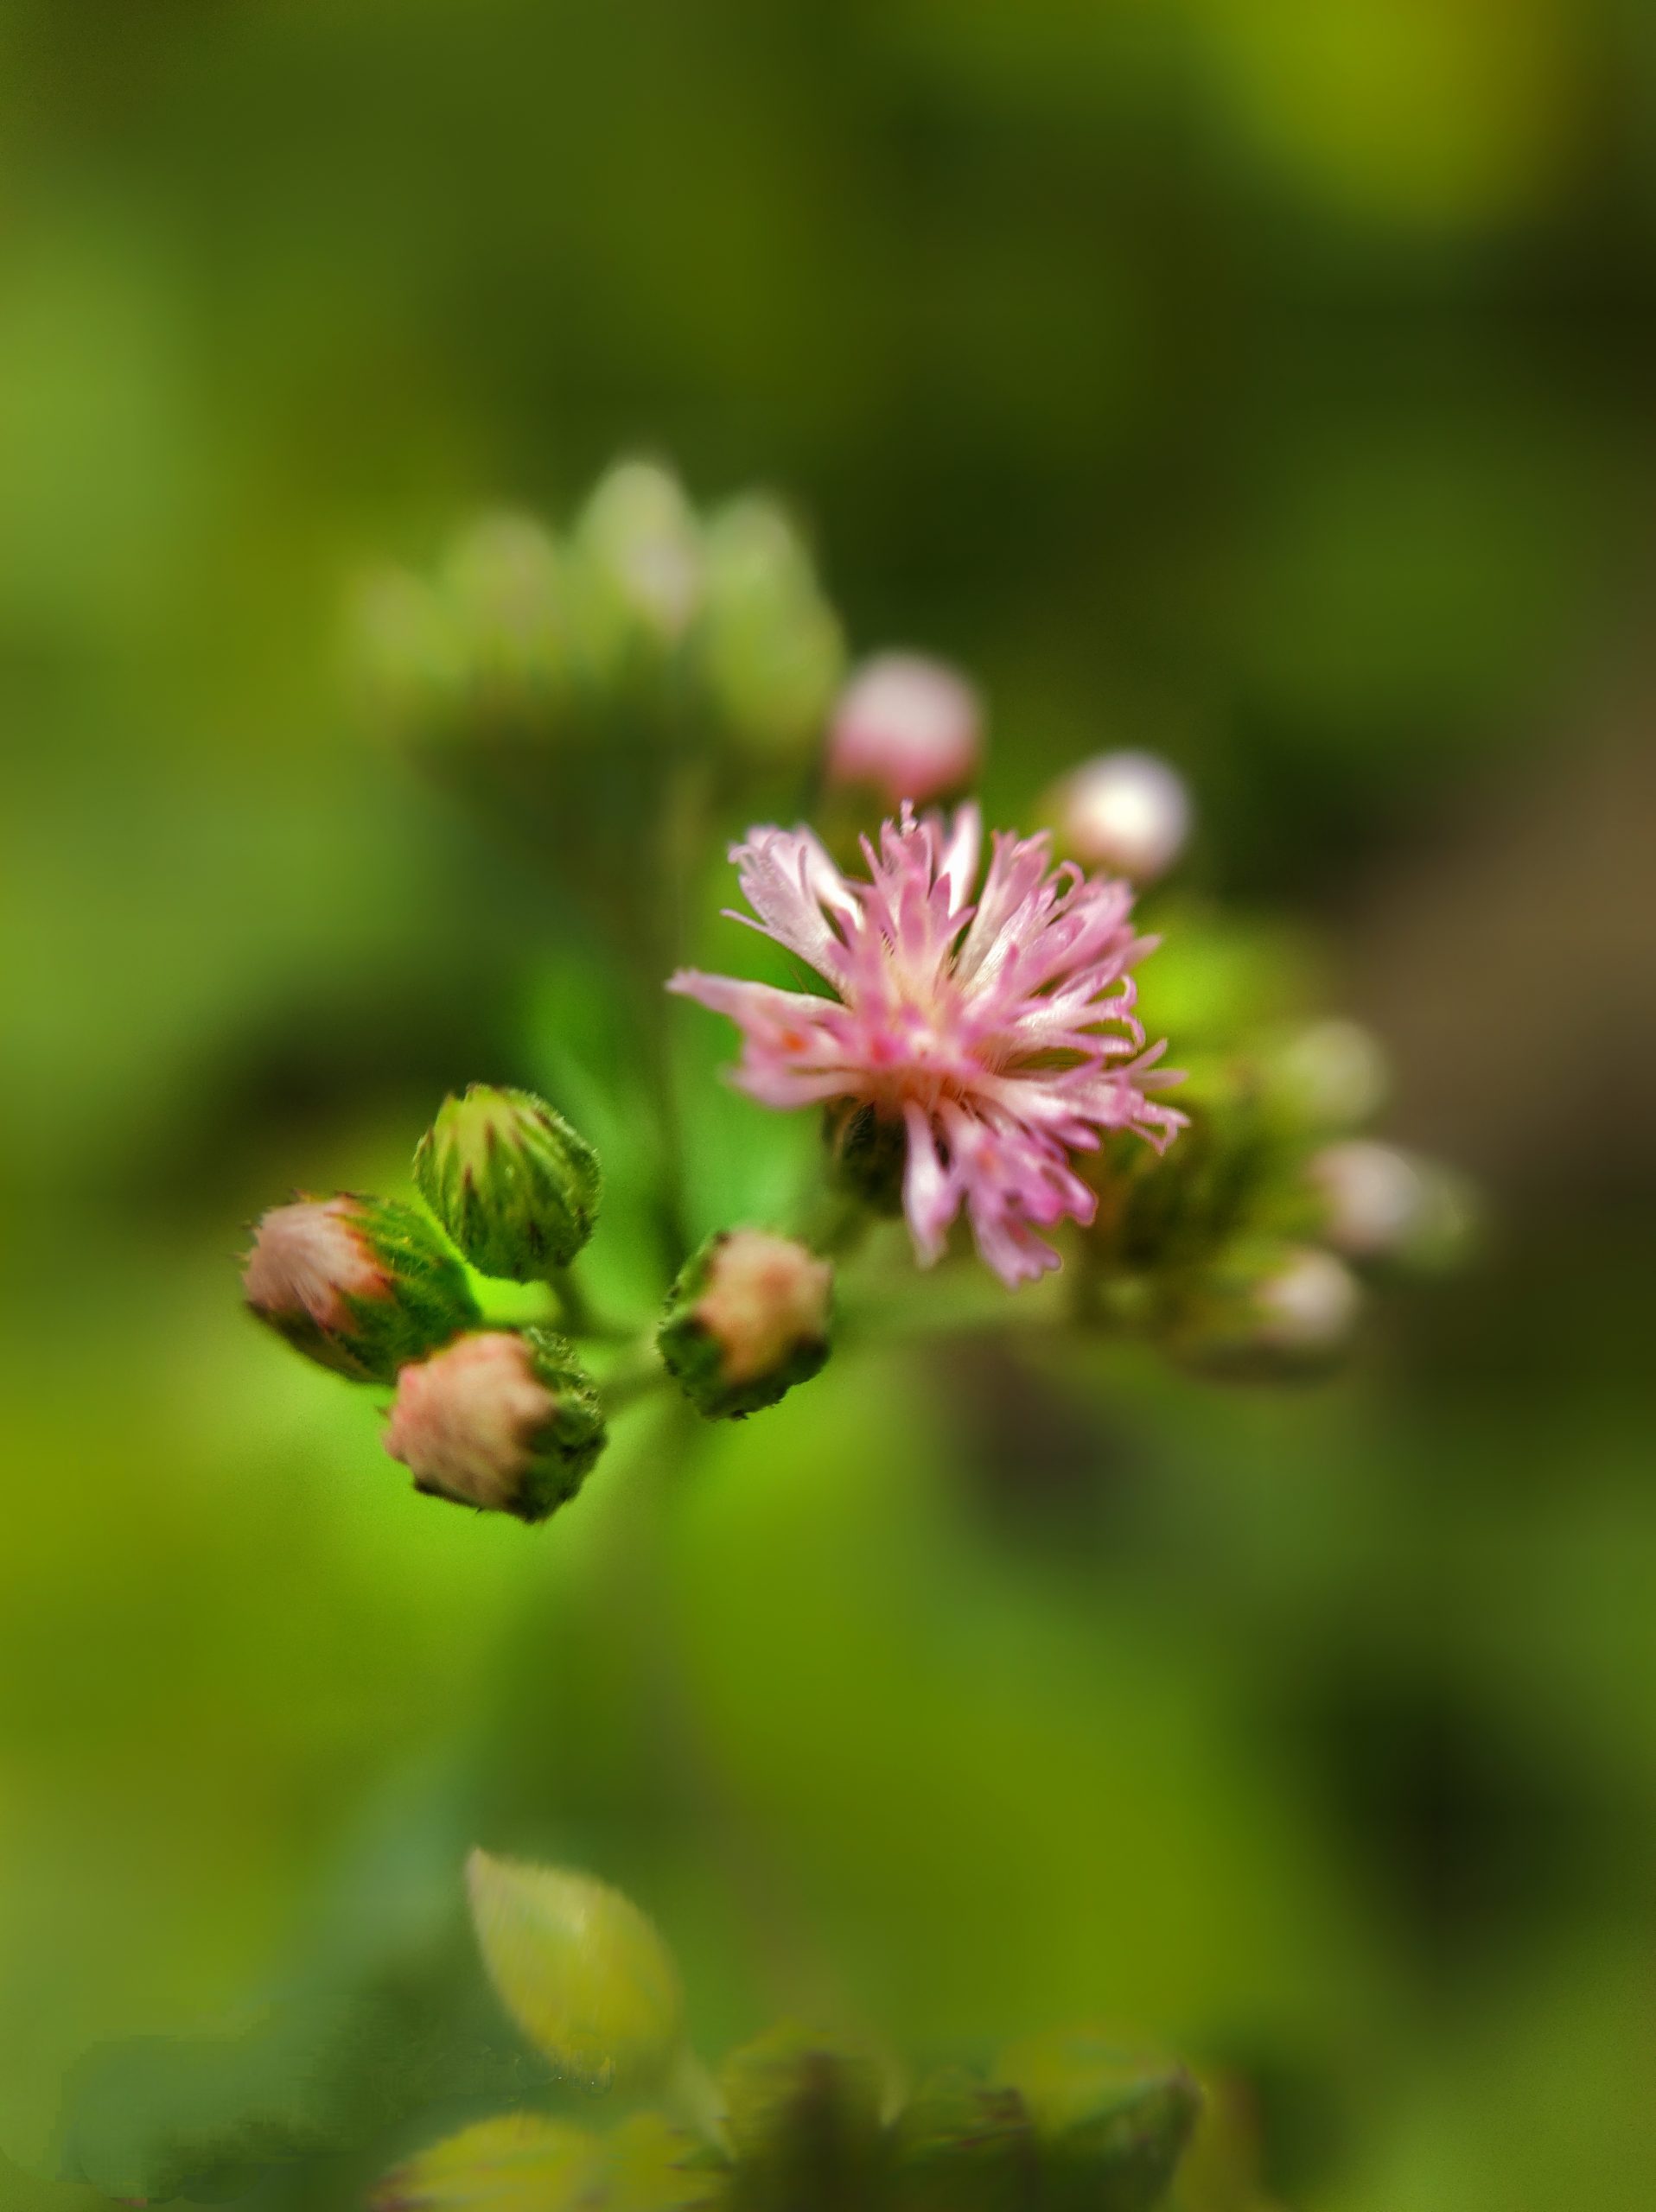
[{"x": 1258, "y": 380}]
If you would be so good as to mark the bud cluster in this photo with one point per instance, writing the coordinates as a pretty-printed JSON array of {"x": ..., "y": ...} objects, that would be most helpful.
[
  {"x": 645, "y": 621},
  {"x": 502, "y": 1418},
  {"x": 1062, "y": 2122},
  {"x": 1250, "y": 1252}
]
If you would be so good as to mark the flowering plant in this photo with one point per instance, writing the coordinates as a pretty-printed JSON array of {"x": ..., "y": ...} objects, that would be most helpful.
[{"x": 972, "y": 1033}]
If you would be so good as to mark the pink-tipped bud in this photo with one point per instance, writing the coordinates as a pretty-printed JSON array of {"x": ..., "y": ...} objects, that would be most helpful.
[
  {"x": 1128, "y": 813},
  {"x": 906, "y": 727},
  {"x": 359, "y": 1285},
  {"x": 500, "y": 1419},
  {"x": 746, "y": 1320}
]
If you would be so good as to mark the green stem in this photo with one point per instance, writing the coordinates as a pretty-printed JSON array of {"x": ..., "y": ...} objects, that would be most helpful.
[
  {"x": 576, "y": 1316},
  {"x": 834, "y": 1222},
  {"x": 637, "y": 1375}
]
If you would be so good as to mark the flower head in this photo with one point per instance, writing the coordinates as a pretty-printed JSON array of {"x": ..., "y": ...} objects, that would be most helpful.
[{"x": 996, "y": 1034}]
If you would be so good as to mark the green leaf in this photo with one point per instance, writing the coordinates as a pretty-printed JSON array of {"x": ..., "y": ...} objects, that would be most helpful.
[
  {"x": 581, "y": 1970},
  {"x": 519, "y": 2163},
  {"x": 1112, "y": 2124},
  {"x": 524, "y": 2161}
]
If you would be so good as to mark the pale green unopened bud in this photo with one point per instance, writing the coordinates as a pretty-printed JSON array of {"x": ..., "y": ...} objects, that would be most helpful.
[
  {"x": 408, "y": 651},
  {"x": 506, "y": 592},
  {"x": 579, "y": 1968},
  {"x": 1330, "y": 1075},
  {"x": 1111, "y": 2125},
  {"x": 804, "y": 2114},
  {"x": 963, "y": 2146},
  {"x": 361, "y": 1285},
  {"x": 768, "y": 644},
  {"x": 638, "y": 562},
  {"x": 515, "y": 1187},
  {"x": 747, "y": 1317},
  {"x": 503, "y": 1419}
]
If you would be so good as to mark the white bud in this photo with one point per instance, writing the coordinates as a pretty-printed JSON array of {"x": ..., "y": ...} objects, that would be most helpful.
[
  {"x": 906, "y": 726},
  {"x": 642, "y": 538},
  {"x": 502, "y": 574},
  {"x": 1307, "y": 1304},
  {"x": 1376, "y": 1197},
  {"x": 1128, "y": 812}
]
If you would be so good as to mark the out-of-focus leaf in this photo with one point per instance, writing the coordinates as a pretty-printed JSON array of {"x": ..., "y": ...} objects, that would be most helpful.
[
  {"x": 524, "y": 2161},
  {"x": 580, "y": 1968},
  {"x": 519, "y": 2163},
  {"x": 1113, "y": 2124}
]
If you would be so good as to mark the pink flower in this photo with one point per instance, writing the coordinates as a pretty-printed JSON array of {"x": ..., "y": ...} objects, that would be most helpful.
[{"x": 1000, "y": 1034}]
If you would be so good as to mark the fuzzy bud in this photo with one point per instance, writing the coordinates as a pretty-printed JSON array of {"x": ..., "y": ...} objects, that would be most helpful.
[
  {"x": 906, "y": 727},
  {"x": 407, "y": 651},
  {"x": 515, "y": 1185},
  {"x": 638, "y": 545},
  {"x": 1375, "y": 1197},
  {"x": 1267, "y": 1308},
  {"x": 1128, "y": 813},
  {"x": 359, "y": 1285},
  {"x": 1381, "y": 1204},
  {"x": 746, "y": 1320},
  {"x": 1112, "y": 2126},
  {"x": 803, "y": 2116},
  {"x": 505, "y": 593},
  {"x": 502, "y": 1419},
  {"x": 768, "y": 644},
  {"x": 1307, "y": 1306},
  {"x": 1330, "y": 1075}
]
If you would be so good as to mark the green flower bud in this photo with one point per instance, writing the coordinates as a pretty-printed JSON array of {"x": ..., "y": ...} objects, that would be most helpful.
[
  {"x": 361, "y": 1285},
  {"x": 515, "y": 1187},
  {"x": 584, "y": 1973},
  {"x": 803, "y": 2116},
  {"x": 503, "y": 1419},
  {"x": 1112, "y": 2126},
  {"x": 768, "y": 644},
  {"x": 747, "y": 1317},
  {"x": 1330, "y": 1075},
  {"x": 408, "y": 653},
  {"x": 505, "y": 595},
  {"x": 963, "y": 2146},
  {"x": 637, "y": 573}
]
